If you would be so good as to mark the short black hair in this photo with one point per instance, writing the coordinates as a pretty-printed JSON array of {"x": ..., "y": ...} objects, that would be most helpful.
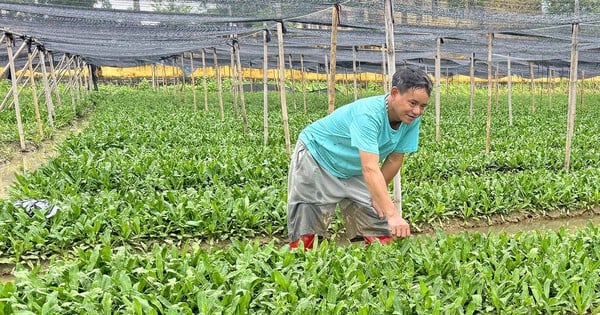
[{"x": 408, "y": 78}]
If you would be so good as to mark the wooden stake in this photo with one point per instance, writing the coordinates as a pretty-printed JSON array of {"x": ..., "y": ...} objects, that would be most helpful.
[
  {"x": 193, "y": 81},
  {"x": 236, "y": 45},
  {"x": 531, "y": 80},
  {"x": 572, "y": 95},
  {"x": 509, "y": 90},
  {"x": 472, "y": 80},
  {"x": 284, "y": 111},
  {"x": 488, "y": 125},
  {"x": 265, "y": 87},
  {"x": 335, "y": 14},
  {"x": 36, "y": 104},
  {"x": 303, "y": 72},
  {"x": 13, "y": 74},
  {"x": 354, "y": 72},
  {"x": 438, "y": 66},
  {"x": 219, "y": 83},
  {"x": 55, "y": 88},
  {"x": 47, "y": 89},
  {"x": 204, "y": 83}
]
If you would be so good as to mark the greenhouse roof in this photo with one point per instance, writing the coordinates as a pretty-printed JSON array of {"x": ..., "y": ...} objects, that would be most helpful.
[{"x": 538, "y": 32}]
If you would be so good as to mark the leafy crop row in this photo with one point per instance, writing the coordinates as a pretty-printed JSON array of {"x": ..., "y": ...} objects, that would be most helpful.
[
  {"x": 149, "y": 167},
  {"x": 528, "y": 273}
]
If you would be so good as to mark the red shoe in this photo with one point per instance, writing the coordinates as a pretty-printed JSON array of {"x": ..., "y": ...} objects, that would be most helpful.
[
  {"x": 307, "y": 239},
  {"x": 383, "y": 240}
]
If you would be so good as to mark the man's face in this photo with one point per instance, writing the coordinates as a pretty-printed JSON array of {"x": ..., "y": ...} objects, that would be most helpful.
[{"x": 407, "y": 106}]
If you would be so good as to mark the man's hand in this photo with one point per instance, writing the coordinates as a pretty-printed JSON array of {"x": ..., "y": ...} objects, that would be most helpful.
[{"x": 398, "y": 225}]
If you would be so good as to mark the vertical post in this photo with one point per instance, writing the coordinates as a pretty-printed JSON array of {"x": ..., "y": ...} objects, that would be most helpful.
[
  {"x": 193, "y": 81},
  {"x": 219, "y": 83},
  {"x": 234, "y": 83},
  {"x": 154, "y": 76},
  {"x": 293, "y": 81},
  {"x": 204, "y": 84},
  {"x": 303, "y": 72},
  {"x": 582, "y": 92},
  {"x": 266, "y": 39},
  {"x": 438, "y": 65},
  {"x": 284, "y": 111},
  {"x": 335, "y": 14},
  {"x": 13, "y": 75},
  {"x": 488, "y": 125},
  {"x": 354, "y": 72},
  {"x": 384, "y": 71},
  {"x": 472, "y": 80},
  {"x": 183, "y": 90},
  {"x": 240, "y": 78},
  {"x": 509, "y": 90},
  {"x": 572, "y": 94},
  {"x": 36, "y": 104},
  {"x": 47, "y": 88},
  {"x": 391, "y": 62},
  {"x": 54, "y": 79},
  {"x": 532, "y": 82}
]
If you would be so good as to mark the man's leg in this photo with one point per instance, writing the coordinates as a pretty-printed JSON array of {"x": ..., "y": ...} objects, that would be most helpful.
[
  {"x": 312, "y": 197},
  {"x": 362, "y": 221}
]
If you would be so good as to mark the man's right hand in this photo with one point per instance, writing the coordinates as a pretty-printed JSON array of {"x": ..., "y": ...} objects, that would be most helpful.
[{"x": 398, "y": 225}]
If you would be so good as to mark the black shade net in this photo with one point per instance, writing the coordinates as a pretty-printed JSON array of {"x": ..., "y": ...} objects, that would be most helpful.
[{"x": 525, "y": 32}]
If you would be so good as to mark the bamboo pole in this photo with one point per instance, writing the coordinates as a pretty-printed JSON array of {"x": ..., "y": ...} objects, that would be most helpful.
[
  {"x": 582, "y": 90},
  {"x": 391, "y": 61},
  {"x": 293, "y": 82},
  {"x": 79, "y": 78},
  {"x": 204, "y": 84},
  {"x": 183, "y": 83},
  {"x": 532, "y": 82},
  {"x": 234, "y": 81},
  {"x": 175, "y": 77},
  {"x": 236, "y": 45},
  {"x": 335, "y": 14},
  {"x": 384, "y": 72},
  {"x": 154, "y": 76},
  {"x": 54, "y": 79},
  {"x": 193, "y": 81},
  {"x": 47, "y": 89},
  {"x": 572, "y": 94},
  {"x": 266, "y": 39},
  {"x": 472, "y": 81},
  {"x": 36, "y": 104},
  {"x": 71, "y": 83},
  {"x": 219, "y": 83},
  {"x": 13, "y": 74},
  {"x": 164, "y": 76},
  {"x": 10, "y": 91},
  {"x": 438, "y": 64},
  {"x": 354, "y": 72},
  {"x": 284, "y": 112},
  {"x": 16, "y": 54},
  {"x": 509, "y": 91},
  {"x": 303, "y": 72},
  {"x": 488, "y": 125}
]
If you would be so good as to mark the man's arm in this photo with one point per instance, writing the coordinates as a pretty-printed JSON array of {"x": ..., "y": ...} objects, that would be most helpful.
[
  {"x": 391, "y": 166},
  {"x": 377, "y": 180}
]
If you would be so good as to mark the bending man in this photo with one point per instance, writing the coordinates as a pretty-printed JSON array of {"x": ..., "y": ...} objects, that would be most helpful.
[{"x": 349, "y": 157}]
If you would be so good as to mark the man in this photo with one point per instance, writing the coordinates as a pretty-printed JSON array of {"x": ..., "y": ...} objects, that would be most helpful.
[{"x": 337, "y": 162}]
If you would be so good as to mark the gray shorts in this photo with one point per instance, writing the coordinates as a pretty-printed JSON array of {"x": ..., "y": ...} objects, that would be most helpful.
[{"x": 313, "y": 195}]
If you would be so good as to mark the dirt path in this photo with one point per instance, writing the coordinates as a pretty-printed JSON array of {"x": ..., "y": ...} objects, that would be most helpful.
[{"x": 30, "y": 161}]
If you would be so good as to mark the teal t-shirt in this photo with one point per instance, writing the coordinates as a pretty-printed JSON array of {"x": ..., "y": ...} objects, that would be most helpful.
[{"x": 334, "y": 140}]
